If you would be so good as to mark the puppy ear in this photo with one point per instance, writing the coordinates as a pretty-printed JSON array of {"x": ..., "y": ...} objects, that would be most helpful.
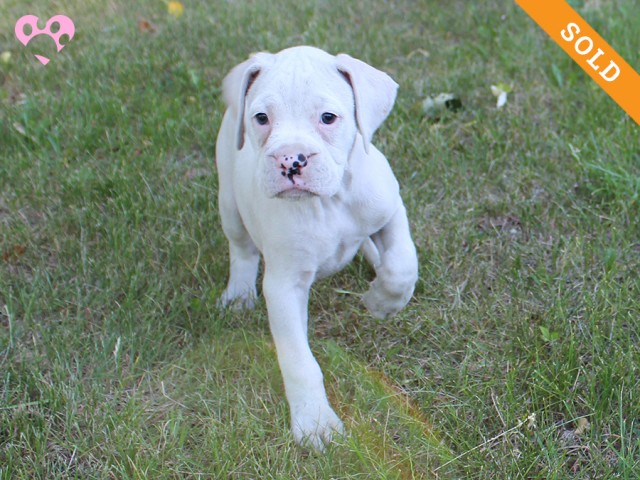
[
  {"x": 235, "y": 87},
  {"x": 374, "y": 93}
]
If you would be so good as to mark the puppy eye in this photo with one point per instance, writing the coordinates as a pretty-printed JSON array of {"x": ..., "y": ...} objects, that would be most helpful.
[
  {"x": 261, "y": 118},
  {"x": 328, "y": 118}
]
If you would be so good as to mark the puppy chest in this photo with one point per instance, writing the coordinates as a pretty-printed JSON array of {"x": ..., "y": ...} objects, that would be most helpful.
[{"x": 339, "y": 256}]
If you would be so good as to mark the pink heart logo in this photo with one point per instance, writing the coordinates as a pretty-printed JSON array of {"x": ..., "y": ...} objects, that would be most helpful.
[{"x": 65, "y": 27}]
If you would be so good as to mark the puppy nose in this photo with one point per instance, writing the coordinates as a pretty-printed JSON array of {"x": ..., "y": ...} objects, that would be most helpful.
[{"x": 292, "y": 160}]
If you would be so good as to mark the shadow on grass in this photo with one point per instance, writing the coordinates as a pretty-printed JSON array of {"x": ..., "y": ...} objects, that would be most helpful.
[{"x": 237, "y": 397}]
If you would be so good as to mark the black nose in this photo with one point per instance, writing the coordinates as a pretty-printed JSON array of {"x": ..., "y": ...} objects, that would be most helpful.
[{"x": 301, "y": 162}]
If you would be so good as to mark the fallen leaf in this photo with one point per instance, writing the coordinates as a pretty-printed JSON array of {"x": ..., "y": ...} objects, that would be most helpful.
[
  {"x": 531, "y": 421},
  {"x": 175, "y": 8},
  {"x": 501, "y": 91},
  {"x": 434, "y": 106},
  {"x": 418, "y": 51},
  {"x": 583, "y": 426},
  {"x": 145, "y": 26},
  {"x": 14, "y": 253},
  {"x": 504, "y": 87},
  {"x": 20, "y": 128}
]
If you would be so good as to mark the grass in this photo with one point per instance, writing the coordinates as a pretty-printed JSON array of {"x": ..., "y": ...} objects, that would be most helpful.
[{"x": 517, "y": 358}]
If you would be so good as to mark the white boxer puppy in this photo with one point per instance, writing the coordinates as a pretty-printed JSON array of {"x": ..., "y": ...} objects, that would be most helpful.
[{"x": 301, "y": 185}]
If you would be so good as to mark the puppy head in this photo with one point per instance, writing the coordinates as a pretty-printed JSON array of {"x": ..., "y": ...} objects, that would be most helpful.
[{"x": 301, "y": 110}]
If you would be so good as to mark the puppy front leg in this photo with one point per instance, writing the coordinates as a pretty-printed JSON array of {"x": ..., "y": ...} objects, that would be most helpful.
[
  {"x": 244, "y": 258},
  {"x": 312, "y": 419},
  {"x": 396, "y": 268},
  {"x": 244, "y": 261}
]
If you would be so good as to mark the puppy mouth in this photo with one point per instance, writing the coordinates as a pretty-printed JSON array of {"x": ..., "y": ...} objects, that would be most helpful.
[
  {"x": 296, "y": 187},
  {"x": 295, "y": 194}
]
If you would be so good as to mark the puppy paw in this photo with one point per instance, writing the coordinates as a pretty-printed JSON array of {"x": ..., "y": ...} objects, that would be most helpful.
[
  {"x": 315, "y": 426},
  {"x": 237, "y": 299},
  {"x": 383, "y": 303}
]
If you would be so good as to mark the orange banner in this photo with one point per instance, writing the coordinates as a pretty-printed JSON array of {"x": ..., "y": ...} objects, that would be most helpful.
[{"x": 589, "y": 50}]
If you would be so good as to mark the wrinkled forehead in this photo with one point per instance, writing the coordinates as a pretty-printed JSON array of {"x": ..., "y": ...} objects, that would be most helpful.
[{"x": 301, "y": 84}]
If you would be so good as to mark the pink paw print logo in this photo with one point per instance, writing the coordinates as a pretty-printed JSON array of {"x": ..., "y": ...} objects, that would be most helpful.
[{"x": 62, "y": 25}]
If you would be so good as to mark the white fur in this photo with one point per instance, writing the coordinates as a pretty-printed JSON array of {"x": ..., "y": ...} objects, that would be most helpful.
[{"x": 309, "y": 224}]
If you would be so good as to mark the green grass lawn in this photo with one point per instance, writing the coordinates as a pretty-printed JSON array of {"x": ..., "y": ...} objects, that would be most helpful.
[{"x": 519, "y": 356}]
